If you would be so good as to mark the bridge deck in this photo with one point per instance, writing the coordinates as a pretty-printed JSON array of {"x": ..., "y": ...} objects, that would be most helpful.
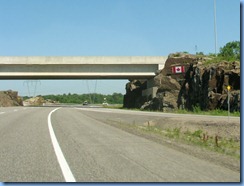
[{"x": 99, "y": 67}]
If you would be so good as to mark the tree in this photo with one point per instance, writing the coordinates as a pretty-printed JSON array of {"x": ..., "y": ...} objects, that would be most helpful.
[
  {"x": 231, "y": 51},
  {"x": 116, "y": 98}
]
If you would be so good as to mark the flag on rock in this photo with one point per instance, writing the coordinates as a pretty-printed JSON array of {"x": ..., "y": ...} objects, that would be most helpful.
[{"x": 178, "y": 69}]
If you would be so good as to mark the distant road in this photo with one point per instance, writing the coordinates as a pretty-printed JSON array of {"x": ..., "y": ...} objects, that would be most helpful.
[{"x": 87, "y": 150}]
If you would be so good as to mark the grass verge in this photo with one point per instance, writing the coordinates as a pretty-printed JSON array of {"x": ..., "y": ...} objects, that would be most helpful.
[
  {"x": 227, "y": 146},
  {"x": 196, "y": 110},
  {"x": 216, "y": 112}
]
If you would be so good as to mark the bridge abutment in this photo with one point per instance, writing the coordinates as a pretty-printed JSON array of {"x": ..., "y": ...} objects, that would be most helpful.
[{"x": 151, "y": 90}]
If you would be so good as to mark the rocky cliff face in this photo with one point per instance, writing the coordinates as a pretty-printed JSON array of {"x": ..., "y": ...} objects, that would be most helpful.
[
  {"x": 133, "y": 98},
  {"x": 200, "y": 85},
  {"x": 10, "y": 98}
]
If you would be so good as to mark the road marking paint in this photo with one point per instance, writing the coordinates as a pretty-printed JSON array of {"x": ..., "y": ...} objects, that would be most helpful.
[
  {"x": 2, "y": 112},
  {"x": 68, "y": 176},
  {"x": 15, "y": 110}
]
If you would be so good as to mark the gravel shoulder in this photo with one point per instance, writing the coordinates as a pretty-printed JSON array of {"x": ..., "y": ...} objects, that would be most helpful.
[{"x": 212, "y": 126}]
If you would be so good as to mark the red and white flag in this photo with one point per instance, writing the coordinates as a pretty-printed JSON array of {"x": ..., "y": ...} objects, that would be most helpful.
[{"x": 178, "y": 69}]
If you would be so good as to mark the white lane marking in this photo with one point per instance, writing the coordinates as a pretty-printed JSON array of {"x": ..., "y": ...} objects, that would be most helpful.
[
  {"x": 68, "y": 176},
  {"x": 2, "y": 112},
  {"x": 15, "y": 110}
]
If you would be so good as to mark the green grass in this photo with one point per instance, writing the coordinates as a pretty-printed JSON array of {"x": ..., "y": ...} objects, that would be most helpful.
[
  {"x": 217, "y": 59},
  {"x": 196, "y": 110},
  {"x": 200, "y": 138},
  {"x": 216, "y": 112}
]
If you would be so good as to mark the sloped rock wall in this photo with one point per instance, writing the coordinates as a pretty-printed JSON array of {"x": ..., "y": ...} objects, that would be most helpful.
[
  {"x": 133, "y": 97},
  {"x": 206, "y": 87},
  {"x": 10, "y": 98},
  {"x": 199, "y": 86}
]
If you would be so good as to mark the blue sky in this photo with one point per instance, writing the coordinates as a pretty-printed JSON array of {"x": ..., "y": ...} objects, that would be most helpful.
[{"x": 110, "y": 28}]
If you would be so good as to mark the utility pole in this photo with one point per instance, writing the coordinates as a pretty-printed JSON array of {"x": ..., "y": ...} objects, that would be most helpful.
[
  {"x": 215, "y": 28},
  {"x": 228, "y": 102},
  {"x": 92, "y": 98},
  {"x": 31, "y": 83}
]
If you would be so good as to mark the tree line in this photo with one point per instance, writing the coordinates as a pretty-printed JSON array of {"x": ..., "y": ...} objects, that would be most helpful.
[
  {"x": 230, "y": 52},
  {"x": 94, "y": 98}
]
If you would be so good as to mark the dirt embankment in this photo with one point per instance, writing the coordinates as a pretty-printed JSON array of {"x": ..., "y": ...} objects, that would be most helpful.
[
  {"x": 38, "y": 101},
  {"x": 10, "y": 98}
]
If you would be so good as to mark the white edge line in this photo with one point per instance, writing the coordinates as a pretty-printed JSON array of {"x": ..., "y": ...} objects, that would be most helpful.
[
  {"x": 2, "y": 112},
  {"x": 68, "y": 176}
]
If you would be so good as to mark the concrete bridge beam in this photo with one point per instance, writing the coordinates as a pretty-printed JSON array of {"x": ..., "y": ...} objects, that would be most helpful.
[{"x": 136, "y": 67}]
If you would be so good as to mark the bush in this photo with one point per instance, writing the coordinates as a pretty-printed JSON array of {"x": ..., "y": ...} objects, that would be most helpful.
[{"x": 231, "y": 51}]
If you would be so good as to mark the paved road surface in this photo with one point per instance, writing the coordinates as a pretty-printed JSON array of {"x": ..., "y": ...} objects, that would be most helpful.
[{"x": 93, "y": 151}]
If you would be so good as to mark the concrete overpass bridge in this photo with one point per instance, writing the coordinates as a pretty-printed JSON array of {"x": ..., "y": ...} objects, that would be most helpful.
[{"x": 100, "y": 67}]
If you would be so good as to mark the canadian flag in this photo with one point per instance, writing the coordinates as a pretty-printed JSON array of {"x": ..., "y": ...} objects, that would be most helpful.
[{"x": 178, "y": 69}]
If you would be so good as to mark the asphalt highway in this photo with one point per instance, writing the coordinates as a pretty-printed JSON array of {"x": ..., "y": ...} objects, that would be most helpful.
[{"x": 48, "y": 144}]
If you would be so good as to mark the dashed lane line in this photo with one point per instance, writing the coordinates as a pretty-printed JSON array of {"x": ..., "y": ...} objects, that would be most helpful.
[
  {"x": 68, "y": 176},
  {"x": 2, "y": 112}
]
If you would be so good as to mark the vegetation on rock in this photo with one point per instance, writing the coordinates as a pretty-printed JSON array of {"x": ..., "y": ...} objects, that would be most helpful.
[
  {"x": 231, "y": 51},
  {"x": 202, "y": 85}
]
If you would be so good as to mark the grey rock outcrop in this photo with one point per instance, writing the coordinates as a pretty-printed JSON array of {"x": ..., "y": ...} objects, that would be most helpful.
[{"x": 202, "y": 86}]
